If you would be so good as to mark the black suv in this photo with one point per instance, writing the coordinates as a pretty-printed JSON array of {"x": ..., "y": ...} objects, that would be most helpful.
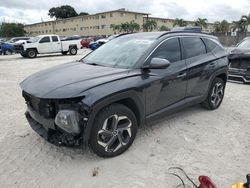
[{"x": 131, "y": 80}]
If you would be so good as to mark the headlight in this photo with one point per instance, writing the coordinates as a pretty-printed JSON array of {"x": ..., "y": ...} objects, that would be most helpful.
[{"x": 68, "y": 120}]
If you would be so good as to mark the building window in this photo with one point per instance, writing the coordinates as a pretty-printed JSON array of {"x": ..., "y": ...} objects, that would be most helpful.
[
  {"x": 136, "y": 16},
  {"x": 97, "y": 27},
  {"x": 103, "y": 16},
  {"x": 111, "y": 15},
  {"x": 64, "y": 30},
  {"x": 103, "y": 26},
  {"x": 97, "y": 17},
  {"x": 122, "y": 14}
]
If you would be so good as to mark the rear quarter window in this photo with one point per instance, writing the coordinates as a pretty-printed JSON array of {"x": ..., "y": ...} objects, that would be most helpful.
[{"x": 212, "y": 46}]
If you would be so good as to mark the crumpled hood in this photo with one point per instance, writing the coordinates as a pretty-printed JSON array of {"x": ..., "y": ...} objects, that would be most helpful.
[
  {"x": 239, "y": 52},
  {"x": 71, "y": 79}
]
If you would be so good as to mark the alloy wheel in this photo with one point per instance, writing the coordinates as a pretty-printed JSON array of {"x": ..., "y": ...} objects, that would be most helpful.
[
  {"x": 217, "y": 94},
  {"x": 115, "y": 133}
]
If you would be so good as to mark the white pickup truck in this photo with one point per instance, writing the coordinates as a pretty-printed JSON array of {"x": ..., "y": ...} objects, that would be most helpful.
[{"x": 44, "y": 44}]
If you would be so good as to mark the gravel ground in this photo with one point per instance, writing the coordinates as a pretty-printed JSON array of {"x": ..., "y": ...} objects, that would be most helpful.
[{"x": 213, "y": 143}]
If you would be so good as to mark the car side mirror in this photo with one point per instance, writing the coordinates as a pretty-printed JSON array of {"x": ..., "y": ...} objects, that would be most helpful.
[{"x": 157, "y": 63}]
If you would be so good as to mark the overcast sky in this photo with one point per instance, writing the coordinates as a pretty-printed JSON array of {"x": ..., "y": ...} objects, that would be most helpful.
[{"x": 28, "y": 11}]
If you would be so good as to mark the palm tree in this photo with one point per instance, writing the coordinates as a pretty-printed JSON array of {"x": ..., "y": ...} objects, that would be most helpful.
[
  {"x": 125, "y": 27},
  {"x": 235, "y": 25},
  {"x": 134, "y": 27},
  {"x": 180, "y": 22},
  {"x": 244, "y": 22},
  {"x": 221, "y": 27},
  {"x": 164, "y": 28},
  {"x": 224, "y": 26},
  {"x": 202, "y": 22},
  {"x": 149, "y": 25},
  {"x": 116, "y": 28}
]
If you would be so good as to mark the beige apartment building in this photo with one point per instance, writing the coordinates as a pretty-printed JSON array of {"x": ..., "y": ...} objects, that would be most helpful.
[{"x": 95, "y": 24}]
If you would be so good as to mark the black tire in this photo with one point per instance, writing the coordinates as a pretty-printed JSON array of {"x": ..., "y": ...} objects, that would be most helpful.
[
  {"x": 119, "y": 140},
  {"x": 64, "y": 53},
  {"x": 215, "y": 96},
  {"x": 72, "y": 50},
  {"x": 23, "y": 54},
  {"x": 31, "y": 53}
]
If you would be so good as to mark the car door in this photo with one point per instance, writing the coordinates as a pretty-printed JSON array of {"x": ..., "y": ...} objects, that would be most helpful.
[
  {"x": 167, "y": 86},
  {"x": 56, "y": 44},
  {"x": 44, "y": 45},
  {"x": 200, "y": 65}
]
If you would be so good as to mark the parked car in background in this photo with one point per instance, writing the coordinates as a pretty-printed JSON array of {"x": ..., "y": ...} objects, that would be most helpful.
[
  {"x": 239, "y": 62},
  {"x": 44, "y": 44},
  {"x": 16, "y": 39},
  {"x": 85, "y": 42},
  {"x": 96, "y": 44},
  {"x": 6, "y": 48},
  {"x": 133, "y": 79}
]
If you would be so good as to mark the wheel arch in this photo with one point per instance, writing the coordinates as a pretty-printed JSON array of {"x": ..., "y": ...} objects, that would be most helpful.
[
  {"x": 32, "y": 49},
  {"x": 128, "y": 99}
]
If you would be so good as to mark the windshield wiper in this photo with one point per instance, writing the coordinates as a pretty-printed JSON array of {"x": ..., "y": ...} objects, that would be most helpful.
[{"x": 95, "y": 64}]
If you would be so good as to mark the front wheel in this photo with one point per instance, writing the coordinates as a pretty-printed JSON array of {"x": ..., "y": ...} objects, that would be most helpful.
[
  {"x": 215, "y": 95},
  {"x": 31, "y": 53},
  {"x": 73, "y": 51},
  {"x": 113, "y": 131}
]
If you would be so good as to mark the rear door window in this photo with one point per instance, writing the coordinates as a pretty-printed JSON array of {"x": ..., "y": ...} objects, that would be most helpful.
[
  {"x": 54, "y": 38},
  {"x": 193, "y": 46}
]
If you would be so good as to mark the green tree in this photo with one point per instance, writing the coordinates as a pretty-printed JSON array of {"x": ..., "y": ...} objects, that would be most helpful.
[
  {"x": 61, "y": 12},
  {"x": 83, "y": 13},
  {"x": 221, "y": 27},
  {"x": 149, "y": 25},
  {"x": 116, "y": 28},
  {"x": 134, "y": 27},
  {"x": 12, "y": 30},
  {"x": 202, "y": 22},
  {"x": 164, "y": 28},
  {"x": 125, "y": 27},
  {"x": 179, "y": 22}
]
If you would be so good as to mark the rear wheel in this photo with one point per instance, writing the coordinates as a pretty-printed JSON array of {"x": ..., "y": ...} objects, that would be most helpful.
[
  {"x": 31, "y": 53},
  {"x": 215, "y": 95},
  {"x": 73, "y": 50},
  {"x": 113, "y": 131}
]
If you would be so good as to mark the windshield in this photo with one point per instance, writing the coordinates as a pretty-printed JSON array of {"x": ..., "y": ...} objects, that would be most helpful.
[
  {"x": 244, "y": 44},
  {"x": 120, "y": 52},
  {"x": 34, "y": 39}
]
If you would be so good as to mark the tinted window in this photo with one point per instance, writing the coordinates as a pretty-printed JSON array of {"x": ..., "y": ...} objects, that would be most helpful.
[
  {"x": 54, "y": 38},
  {"x": 212, "y": 46},
  {"x": 169, "y": 50},
  {"x": 193, "y": 46},
  {"x": 44, "y": 39}
]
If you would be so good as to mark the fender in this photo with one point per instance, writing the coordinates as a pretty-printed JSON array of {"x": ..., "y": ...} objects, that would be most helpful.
[
  {"x": 223, "y": 70},
  {"x": 107, "y": 100}
]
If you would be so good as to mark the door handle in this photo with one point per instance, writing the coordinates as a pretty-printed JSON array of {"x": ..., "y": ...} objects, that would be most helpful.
[
  {"x": 212, "y": 64},
  {"x": 183, "y": 74}
]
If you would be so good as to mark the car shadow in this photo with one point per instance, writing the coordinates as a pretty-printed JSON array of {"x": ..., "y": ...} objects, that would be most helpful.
[{"x": 84, "y": 152}]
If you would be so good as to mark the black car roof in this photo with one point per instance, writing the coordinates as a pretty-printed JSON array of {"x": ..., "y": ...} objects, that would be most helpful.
[{"x": 157, "y": 35}]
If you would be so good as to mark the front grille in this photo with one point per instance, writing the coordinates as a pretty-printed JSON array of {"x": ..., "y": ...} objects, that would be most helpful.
[
  {"x": 44, "y": 107},
  {"x": 240, "y": 63}
]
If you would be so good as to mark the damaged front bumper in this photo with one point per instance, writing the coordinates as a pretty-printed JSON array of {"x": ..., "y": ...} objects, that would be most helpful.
[
  {"x": 49, "y": 130},
  {"x": 239, "y": 75}
]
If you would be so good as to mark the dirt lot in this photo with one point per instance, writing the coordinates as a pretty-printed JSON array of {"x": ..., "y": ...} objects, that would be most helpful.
[{"x": 214, "y": 143}]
